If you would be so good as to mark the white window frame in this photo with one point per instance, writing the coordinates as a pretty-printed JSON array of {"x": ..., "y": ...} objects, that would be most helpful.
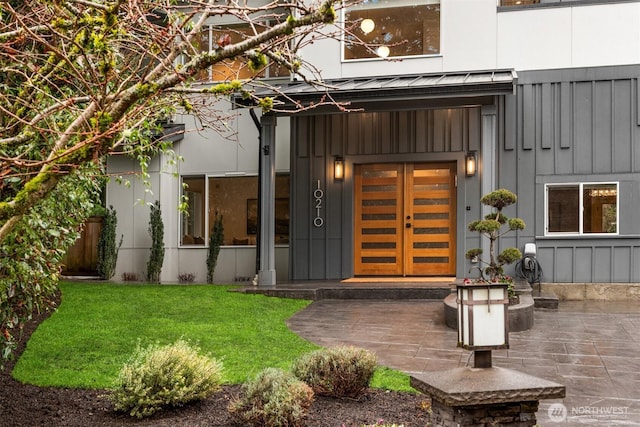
[{"x": 580, "y": 186}]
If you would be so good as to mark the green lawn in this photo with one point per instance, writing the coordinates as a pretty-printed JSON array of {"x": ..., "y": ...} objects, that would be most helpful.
[{"x": 97, "y": 326}]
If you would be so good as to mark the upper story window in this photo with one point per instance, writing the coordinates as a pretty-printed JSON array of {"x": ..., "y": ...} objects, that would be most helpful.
[
  {"x": 213, "y": 37},
  {"x": 393, "y": 28},
  {"x": 587, "y": 208}
]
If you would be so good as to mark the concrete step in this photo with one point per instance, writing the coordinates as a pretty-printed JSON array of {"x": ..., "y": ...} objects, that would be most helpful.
[
  {"x": 547, "y": 300},
  {"x": 347, "y": 293}
]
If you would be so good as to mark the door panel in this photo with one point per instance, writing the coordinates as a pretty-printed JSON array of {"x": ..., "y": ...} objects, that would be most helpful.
[
  {"x": 430, "y": 204},
  {"x": 378, "y": 222},
  {"x": 405, "y": 219}
]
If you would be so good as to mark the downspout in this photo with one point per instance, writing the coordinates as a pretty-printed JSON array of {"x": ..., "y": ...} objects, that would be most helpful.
[{"x": 256, "y": 121}]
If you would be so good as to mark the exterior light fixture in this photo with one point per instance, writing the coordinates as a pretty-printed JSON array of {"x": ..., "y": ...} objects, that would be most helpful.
[
  {"x": 367, "y": 25},
  {"x": 483, "y": 319},
  {"x": 383, "y": 51},
  {"x": 338, "y": 169},
  {"x": 471, "y": 163}
]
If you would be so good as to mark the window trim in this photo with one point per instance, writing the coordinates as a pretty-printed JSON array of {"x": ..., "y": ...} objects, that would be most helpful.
[{"x": 580, "y": 232}]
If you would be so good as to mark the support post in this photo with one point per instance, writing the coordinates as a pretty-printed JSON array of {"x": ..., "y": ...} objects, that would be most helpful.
[
  {"x": 267, "y": 271},
  {"x": 488, "y": 160},
  {"x": 482, "y": 359}
]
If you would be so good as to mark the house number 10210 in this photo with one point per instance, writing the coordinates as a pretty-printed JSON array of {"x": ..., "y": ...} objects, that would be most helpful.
[{"x": 318, "y": 195}]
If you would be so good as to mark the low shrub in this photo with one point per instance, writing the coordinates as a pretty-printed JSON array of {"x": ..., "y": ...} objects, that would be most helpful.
[
  {"x": 158, "y": 376},
  {"x": 129, "y": 277},
  {"x": 186, "y": 278},
  {"x": 341, "y": 371},
  {"x": 275, "y": 398}
]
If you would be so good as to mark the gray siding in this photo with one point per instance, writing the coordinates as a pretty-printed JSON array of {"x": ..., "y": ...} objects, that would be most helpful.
[
  {"x": 402, "y": 136},
  {"x": 580, "y": 125}
]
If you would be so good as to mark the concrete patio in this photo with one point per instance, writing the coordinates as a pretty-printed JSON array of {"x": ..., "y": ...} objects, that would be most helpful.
[{"x": 591, "y": 347}]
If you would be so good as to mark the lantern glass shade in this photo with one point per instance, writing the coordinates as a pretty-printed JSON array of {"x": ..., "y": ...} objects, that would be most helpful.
[
  {"x": 483, "y": 316},
  {"x": 338, "y": 169},
  {"x": 471, "y": 163}
]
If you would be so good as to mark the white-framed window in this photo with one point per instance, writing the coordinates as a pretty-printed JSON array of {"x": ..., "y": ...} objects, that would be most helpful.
[
  {"x": 588, "y": 208},
  {"x": 236, "y": 199},
  {"x": 392, "y": 28},
  {"x": 215, "y": 36}
]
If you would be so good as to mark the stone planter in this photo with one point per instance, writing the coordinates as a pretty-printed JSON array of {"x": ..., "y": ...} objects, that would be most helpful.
[{"x": 520, "y": 314}]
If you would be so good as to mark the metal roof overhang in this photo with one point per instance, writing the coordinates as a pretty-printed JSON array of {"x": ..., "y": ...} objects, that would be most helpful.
[{"x": 401, "y": 91}]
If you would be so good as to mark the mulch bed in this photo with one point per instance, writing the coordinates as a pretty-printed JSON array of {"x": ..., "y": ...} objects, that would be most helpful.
[{"x": 28, "y": 405}]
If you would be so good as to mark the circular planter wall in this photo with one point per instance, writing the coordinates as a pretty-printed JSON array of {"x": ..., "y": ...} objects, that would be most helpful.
[{"x": 520, "y": 315}]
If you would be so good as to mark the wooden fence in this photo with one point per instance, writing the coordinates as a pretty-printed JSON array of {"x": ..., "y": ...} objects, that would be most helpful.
[{"x": 82, "y": 257}]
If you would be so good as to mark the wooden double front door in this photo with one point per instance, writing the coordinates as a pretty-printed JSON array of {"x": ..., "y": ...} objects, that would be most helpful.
[{"x": 405, "y": 219}]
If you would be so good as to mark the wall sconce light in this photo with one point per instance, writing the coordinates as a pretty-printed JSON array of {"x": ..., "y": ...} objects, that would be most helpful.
[
  {"x": 483, "y": 319},
  {"x": 471, "y": 163},
  {"x": 338, "y": 169}
]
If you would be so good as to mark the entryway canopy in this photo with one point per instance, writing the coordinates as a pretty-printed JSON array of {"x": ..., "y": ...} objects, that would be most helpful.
[
  {"x": 402, "y": 92},
  {"x": 444, "y": 88}
]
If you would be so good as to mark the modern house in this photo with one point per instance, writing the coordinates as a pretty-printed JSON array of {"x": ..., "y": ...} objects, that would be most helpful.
[{"x": 539, "y": 97}]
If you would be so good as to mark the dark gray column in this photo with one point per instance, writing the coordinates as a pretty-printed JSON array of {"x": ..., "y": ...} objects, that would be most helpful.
[
  {"x": 267, "y": 271},
  {"x": 487, "y": 161}
]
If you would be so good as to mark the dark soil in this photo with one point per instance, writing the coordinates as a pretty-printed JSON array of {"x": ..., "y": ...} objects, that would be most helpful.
[{"x": 28, "y": 405}]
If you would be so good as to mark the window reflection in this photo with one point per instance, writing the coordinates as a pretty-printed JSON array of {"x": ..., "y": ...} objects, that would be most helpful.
[
  {"x": 236, "y": 199},
  {"x": 595, "y": 205},
  {"x": 214, "y": 37},
  {"x": 393, "y": 28}
]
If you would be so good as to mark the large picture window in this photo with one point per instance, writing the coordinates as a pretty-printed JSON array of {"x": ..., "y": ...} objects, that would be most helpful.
[
  {"x": 236, "y": 199},
  {"x": 393, "y": 28},
  {"x": 586, "y": 208}
]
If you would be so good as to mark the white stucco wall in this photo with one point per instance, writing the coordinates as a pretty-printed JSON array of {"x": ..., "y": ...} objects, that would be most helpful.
[
  {"x": 565, "y": 37},
  {"x": 475, "y": 36},
  {"x": 205, "y": 152}
]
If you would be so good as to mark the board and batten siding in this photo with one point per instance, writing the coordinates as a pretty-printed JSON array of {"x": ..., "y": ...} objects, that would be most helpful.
[
  {"x": 326, "y": 252},
  {"x": 571, "y": 126}
]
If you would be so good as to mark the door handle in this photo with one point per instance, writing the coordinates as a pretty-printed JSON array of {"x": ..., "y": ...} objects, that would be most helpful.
[{"x": 408, "y": 225}]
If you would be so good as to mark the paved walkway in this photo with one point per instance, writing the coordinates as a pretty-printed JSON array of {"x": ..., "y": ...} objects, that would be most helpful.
[{"x": 590, "y": 347}]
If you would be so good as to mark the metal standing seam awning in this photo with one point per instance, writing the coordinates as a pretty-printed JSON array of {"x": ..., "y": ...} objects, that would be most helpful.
[
  {"x": 360, "y": 91},
  {"x": 363, "y": 92}
]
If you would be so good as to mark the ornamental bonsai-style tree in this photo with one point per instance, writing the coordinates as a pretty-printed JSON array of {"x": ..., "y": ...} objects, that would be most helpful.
[{"x": 492, "y": 228}]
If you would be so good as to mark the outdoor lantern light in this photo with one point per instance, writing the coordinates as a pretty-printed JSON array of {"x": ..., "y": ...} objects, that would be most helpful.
[
  {"x": 471, "y": 163},
  {"x": 338, "y": 169},
  {"x": 483, "y": 323},
  {"x": 367, "y": 25}
]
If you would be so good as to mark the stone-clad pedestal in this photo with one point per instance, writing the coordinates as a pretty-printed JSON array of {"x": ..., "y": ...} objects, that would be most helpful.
[{"x": 489, "y": 396}]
